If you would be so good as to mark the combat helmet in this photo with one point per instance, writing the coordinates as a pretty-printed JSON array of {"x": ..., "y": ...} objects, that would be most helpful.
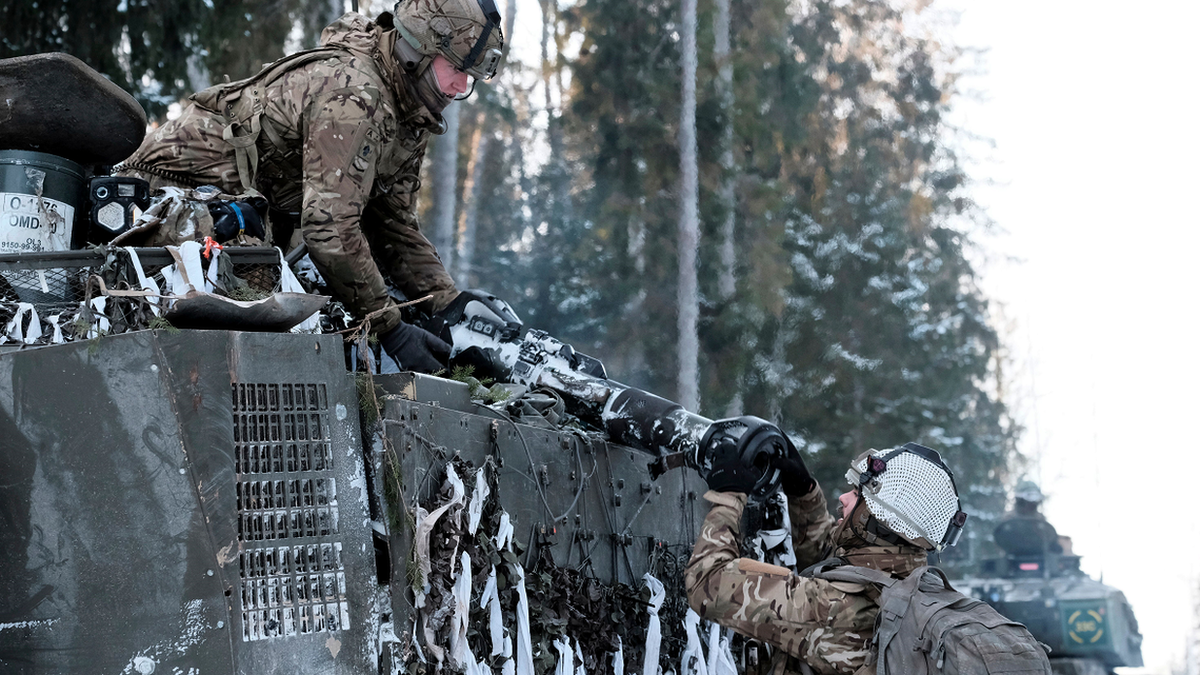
[
  {"x": 1028, "y": 491},
  {"x": 910, "y": 491},
  {"x": 466, "y": 32}
]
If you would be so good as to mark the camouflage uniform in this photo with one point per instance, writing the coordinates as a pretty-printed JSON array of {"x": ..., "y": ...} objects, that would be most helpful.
[
  {"x": 819, "y": 626},
  {"x": 336, "y": 133}
]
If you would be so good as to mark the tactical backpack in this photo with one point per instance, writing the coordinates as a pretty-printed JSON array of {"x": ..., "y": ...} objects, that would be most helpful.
[{"x": 925, "y": 627}]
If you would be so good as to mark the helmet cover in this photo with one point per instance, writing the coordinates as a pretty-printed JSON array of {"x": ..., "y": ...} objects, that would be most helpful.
[
  {"x": 911, "y": 491},
  {"x": 1028, "y": 490},
  {"x": 466, "y": 32}
]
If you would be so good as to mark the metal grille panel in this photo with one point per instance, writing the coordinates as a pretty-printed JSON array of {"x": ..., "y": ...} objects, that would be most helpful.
[{"x": 293, "y": 581}]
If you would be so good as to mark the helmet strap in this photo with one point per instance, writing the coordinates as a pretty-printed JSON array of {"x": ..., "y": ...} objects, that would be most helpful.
[
  {"x": 878, "y": 533},
  {"x": 463, "y": 97},
  {"x": 864, "y": 525}
]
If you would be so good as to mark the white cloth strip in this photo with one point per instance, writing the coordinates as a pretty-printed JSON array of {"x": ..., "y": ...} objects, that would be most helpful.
[{"x": 654, "y": 632}]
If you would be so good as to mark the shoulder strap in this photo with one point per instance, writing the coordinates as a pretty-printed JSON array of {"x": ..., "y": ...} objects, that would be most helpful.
[
  {"x": 837, "y": 569},
  {"x": 214, "y": 96},
  {"x": 922, "y": 571},
  {"x": 242, "y": 128},
  {"x": 858, "y": 575}
]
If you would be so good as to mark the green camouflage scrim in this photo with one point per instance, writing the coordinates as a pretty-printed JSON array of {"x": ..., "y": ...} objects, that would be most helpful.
[
  {"x": 825, "y": 624},
  {"x": 341, "y": 141}
]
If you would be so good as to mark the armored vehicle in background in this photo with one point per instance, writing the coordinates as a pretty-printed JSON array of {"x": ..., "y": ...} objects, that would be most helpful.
[{"x": 1089, "y": 626}]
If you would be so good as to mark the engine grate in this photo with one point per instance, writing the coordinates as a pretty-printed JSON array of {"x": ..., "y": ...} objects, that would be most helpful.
[{"x": 293, "y": 581}]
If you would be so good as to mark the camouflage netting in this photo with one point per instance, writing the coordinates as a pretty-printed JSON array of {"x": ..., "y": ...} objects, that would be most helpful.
[
  {"x": 569, "y": 603},
  {"x": 47, "y": 302}
]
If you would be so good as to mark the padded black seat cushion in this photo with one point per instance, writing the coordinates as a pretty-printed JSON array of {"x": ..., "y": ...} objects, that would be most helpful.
[{"x": 55, "y": 103}]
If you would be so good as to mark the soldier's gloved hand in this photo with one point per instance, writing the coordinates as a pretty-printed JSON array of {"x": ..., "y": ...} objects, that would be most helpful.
[
  {"x": 726, "y": 471},
  {"x": 415, "y": 349},
  {"x": 794, "y": 477}
]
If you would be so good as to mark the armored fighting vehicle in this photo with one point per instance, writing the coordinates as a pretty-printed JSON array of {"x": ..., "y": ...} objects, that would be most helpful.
[
  {"x": 1089, "y": 626},
  {"x": 250, "y": 499}
]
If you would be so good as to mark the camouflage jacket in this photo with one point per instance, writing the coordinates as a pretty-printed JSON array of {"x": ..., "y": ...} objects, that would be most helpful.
[
  {"x": 820, "y": 626},
  {"x": 336, "y": 133}
]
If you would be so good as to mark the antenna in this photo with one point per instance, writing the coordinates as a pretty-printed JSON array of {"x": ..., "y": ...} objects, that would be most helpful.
[{"x": 1037, "y": 427}]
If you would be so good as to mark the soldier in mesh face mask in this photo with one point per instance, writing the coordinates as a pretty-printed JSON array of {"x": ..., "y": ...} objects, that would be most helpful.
[
  {"x": 335, "y": 137},
  {"x": 902, "y": 503}
]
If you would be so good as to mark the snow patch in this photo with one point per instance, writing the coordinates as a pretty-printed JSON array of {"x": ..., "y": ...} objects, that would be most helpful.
[
  {"x": 190, "y": 635},
  {"x": 360, "y": 481},
  {"x": 28, "y": 624}
]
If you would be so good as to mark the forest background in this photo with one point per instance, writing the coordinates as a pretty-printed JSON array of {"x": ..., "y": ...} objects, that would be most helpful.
[{"x": 833, "y": 292}]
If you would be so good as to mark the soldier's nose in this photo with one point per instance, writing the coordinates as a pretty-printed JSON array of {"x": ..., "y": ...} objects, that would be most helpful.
[
  {"x": 451, "y": 80},
  {"x": 457, "y": 84}
]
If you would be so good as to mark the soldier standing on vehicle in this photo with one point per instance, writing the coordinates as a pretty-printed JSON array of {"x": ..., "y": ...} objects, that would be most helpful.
[
  {"x": 909, "y": 506},
  {"x": 337, "y": 135},
  {"x": 1025, "y": 532},
  {"x": 1027, "y": 500}
]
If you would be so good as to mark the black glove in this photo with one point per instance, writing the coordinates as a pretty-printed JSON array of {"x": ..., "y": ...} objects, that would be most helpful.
[
  {"x": 727, "y": 472},
  {"x": 415, "y": 349},
  {"x": 794, "y": 477}
]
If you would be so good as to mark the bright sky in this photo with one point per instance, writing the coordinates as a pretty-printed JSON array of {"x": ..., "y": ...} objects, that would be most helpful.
[{"x": 1092, "y": 108}]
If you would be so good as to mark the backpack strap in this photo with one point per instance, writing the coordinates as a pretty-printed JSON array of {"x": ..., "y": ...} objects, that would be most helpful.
[
  {"x": 897, "y": 602},
  {"x": 922, "y": 571},
  {"x": 243, "y": 114},
  {"x": 837, "y": 569},
  {"x": 858, "y": 575},
  {"x": 820, "y": 567}
]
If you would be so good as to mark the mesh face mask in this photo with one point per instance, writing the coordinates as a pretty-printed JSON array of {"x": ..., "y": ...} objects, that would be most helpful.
[{"x": 911, "y": 491}]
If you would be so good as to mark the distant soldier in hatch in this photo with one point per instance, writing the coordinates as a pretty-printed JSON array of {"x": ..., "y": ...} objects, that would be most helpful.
[
  {"x": 1027, "y": 500},
  {"x": 1024, "y": 531},
  {"x": 907, "y": 506},
  {"x": 337, "y": 134}
]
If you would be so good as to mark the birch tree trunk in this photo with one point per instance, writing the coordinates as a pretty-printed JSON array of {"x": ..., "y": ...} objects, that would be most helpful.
[
  {"x": 510, "y": 19},
  {"x": 468, "y": 218},
  {"x": 726, "y": 274},
  {"x": 547, "y": 21},
  {"x": 726, "y": 281},
  {"x": 552, "y": 81},
  {"x": 472, "y": 193},
  {"x": 445, "y": 187},
  {"x": 689, "y": 221}
]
